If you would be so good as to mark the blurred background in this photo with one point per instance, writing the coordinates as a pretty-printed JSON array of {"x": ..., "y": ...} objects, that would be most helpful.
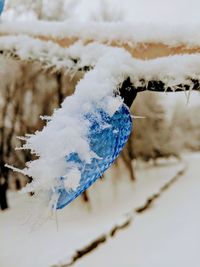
[{"x": 161, "y": 145}]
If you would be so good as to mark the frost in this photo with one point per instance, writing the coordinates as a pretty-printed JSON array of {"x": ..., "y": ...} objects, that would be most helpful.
[
  {"x": 171, "y": 70},
  {"x": 72, "y": 179},
  {"x": 111, "y": 105}
]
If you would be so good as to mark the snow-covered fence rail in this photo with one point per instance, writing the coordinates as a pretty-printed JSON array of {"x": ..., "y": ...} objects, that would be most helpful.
[
  {"x": 173, "y": 53},
  {"x": 172, "y": 73},
  {"x": 141, "y": 41}
]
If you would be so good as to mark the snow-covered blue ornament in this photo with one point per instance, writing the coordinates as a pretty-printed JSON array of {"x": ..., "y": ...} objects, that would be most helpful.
[
  {"x": 2, "y": 2},
  {"x": 107, "y": 136}
]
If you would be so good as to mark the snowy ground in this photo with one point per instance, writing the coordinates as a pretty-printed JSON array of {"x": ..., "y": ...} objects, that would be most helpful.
[
  {"x": 78, "y": 225},
  {"x": 166, "y": 235}
]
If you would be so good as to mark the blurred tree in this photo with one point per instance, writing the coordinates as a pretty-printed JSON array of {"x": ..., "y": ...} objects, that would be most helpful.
[
  {"x": 106, "y": 11},
  {"x": 152, "y": 135},
  {"x": 40, "y": 9},
  {"x": 21, "y": 103},
  {"x": 185, "y": 127}
]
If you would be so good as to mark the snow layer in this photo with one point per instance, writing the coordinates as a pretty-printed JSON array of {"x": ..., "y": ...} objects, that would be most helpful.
[
  {"x": 166, "y": 235},
  {"x": 172, "y": 70},
  {"x": 125, "y": 32},
  {"x": 79, "y": 224}
]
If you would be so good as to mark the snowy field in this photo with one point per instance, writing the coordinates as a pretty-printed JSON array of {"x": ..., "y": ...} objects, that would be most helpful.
[
  {"x": 79, "y": 225},
  {"x": 166, "y": 235}
]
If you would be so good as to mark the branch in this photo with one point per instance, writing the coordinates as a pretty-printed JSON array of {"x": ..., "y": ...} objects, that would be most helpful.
[
  {"x": 173, "y": 73},
  {"x": 28, "y": 49}
]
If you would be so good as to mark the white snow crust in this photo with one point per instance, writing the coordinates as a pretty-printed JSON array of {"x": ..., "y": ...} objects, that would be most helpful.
[
  {"x": 172, "y": 70},
  {"x": 79, "y": 224},
  {"x": 125, "y": 32}
]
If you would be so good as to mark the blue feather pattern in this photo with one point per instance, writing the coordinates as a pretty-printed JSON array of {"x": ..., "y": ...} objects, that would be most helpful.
[{"x": 107, "y": 136}]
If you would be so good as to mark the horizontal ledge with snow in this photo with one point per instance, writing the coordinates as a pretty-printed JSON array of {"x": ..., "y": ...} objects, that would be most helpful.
[
  {"x": 143, "y": 41},
  {"x": 172, "y": 73}
]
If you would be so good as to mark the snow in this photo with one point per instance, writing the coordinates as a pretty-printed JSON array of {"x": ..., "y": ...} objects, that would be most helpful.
[
  {"x": 73, "y": 179},
  {"x": 166, "y": 235},
  {"x": 124, "y": 32},
  {"x": 67, "y": 131},
  {"x": 78, "y": 224},
  {"x": 26, "y": 48},
  {"x": 171, "y": 70}
]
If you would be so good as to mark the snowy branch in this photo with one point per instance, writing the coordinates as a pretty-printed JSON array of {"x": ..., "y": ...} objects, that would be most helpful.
[
  {"x": 173, "y": 73},
  {"x": 141, "y": 41},
  {"x": 124, "y": 32},
  {"x": 48, "y": 54}
]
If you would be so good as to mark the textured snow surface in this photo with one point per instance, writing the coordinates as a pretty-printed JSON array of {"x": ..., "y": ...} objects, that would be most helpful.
[
  {"x": 50, "y": 54},
  {"x": 166, "y": 235},
  {"x": 173, "y": 35},
  {"x": 172, "y": 70},
  {"x": 79, "y": 223}
]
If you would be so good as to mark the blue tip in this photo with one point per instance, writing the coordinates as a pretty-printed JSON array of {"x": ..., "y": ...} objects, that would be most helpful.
[{"x": 2, "y": 2}]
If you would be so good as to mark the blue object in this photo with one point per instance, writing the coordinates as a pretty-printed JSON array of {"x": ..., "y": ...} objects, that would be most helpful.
[
  {"x": 2, "y": 2},
  {"x": 107, "y": 136}
]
